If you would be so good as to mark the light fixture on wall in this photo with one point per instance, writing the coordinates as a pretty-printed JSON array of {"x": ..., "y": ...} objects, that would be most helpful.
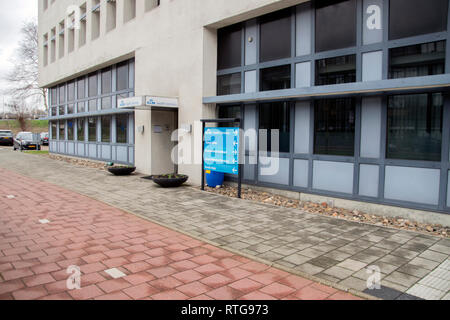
[
  {"x": 250, "y": 39},
  {"x": 141, "y": 129}
]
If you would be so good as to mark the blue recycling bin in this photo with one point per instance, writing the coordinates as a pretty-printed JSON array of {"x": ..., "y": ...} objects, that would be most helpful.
[{"x": 214, "y": 179}]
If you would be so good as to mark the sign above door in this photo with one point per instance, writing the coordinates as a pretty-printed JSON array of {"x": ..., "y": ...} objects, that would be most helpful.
[{"x": 147, "y": 102}]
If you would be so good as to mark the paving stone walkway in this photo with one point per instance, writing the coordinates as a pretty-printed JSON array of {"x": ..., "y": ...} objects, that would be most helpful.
[
  {"x": 46, "y": 229},
  {"x": 337, "y": 251}
]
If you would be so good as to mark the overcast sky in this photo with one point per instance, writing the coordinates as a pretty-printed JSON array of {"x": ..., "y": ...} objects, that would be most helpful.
[{"x": 13, "y": 13}]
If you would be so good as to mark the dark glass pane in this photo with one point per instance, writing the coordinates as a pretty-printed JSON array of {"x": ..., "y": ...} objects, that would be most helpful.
[
  {"x": 70, "y": 108},
  {"x": 275, "y": 116},
  {"x": 409, "y": 18},
  {"x": 70, "y": 130},
  {"x": 229, "y": 84},
  {"x": 229, "y": 47},
  {"x": 62, "y": 130},
  {"x": 229, "y": 112},
  {"x": 334, "y": 127},
  {"x": 122, "y": 76},
  {"x": 106, "y": 81},
  {"x": 335, "y": 24},
  {"x": 93, "y": 85},
  {"x": 54, "y": 112},
  {"x": 275, "y": 78},
  {"x": 336, "y": 70},
  {"x": 54, "y": 96},
  {"x": 81, "y": 107},
  {"x": 81, "y": 89},
  {"x": 54, "y": 130},
  {"x": 92, "y": 129},
  {"x": 80, "y": 129},
  {"x": 122, "y": 128},
  {"x": 71, "y": 91},
  {"x": 418, "y": 60},
  {"x": 276, "y": 36},
  {"x": 62, "y": 94},
  {"x": 93, "y": 105},
  {"x": 62, "y": 110},
  {"x": 415, "y": 127},
  {"x": 106, "y": 103},
  {"x": 106, "y": 129}
]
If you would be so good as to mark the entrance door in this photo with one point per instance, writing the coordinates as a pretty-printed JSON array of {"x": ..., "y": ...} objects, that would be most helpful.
[{"x": 164, "y": 123}]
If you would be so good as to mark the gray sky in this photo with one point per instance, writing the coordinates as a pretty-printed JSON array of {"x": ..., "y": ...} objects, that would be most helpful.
[{"x": 12, "y": 15}]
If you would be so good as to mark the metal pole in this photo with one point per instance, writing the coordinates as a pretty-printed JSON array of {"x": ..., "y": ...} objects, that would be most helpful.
[
  {"x": 240, "y": 162},
  {"x": 203, "y": 156}
]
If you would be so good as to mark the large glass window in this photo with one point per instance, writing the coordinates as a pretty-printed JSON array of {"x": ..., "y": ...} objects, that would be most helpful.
[
  {"x": 62, "y": 110},
  {"x": 81, "y": 89},
  {"x": 106, "y": 81},
  {"x": 414, "y": 129},
  {"x": 80, "y": 129},
  {"x": 54, "y": 130},
  {"x": 92, "y": 129},
  {"x": 276, "y": 36},
  {"x": 229, "y": 112},
  {"x": 122, "y": 128},
  {"x": 275, "y": 78},
  {"x": 424, "y": 59},
  {"x": 93, "y": 85},
  {"x": 106, "y": 129},
  {"x": 275, "y": 116},
  {"x": 62, "y": 94},
  {"x": 335, "y": 24},
  {"x": 54, "y": 96},
  {"x": 334, "y": 127},
  {"x": 122, "y": 76},
  {"x": 71, "y": 91},
  {"x": 62, "y": 130},
  {"x": 409, "y": 18},
  {"x": 229, "y": 84},
  {"x": 70, "y": 130},
  {"x": 70, "y": 108},
  {"x": 336, "y": 70},
  {"x": 229, "y": 47}
]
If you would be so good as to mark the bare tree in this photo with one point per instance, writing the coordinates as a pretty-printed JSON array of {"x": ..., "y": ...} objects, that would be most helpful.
[
  {"x": 22, "y": 113},
  {"x": 24, "y": 76}
]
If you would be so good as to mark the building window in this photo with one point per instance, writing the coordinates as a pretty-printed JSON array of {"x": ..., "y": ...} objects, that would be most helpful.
[
  {"x": 229, "y": 47},
  {"x": 70, "y": 108},
  {"x": 229, "y": 112},
  {"x": 275, "y": 36},
  {"x": 336, "y": 70},
  {"x": 418, "y": 60},
  {"x": 122, "y": 76},
  {"x": 93, "y": 92},
  {"x": 62, "y": 110},
  {"x": 54, "y": 130},
  {"x": 408, "y": 18},
  {"x": 334, "y": 127},
  {"x": 80, "y": 129},
  {"x": 106, "y": 88},
  {"x": 122, "y": 128},
  {"x": 129, "y": 10},
  {"x": 70, "y": 130},
  {"x": 81, "y": 89},
  {"x": 92, "y": 129},
  {"x": 95, "y": 19},
  {"x": 62, "y": 94},
  {"x": 275, "y": 78},
  {"x": 335, "y": 24},
  {"x": 106, "y": 129},
  {"x": 62, "y": 130},
  {"x": 71, "y": 91},
  {"x": 111, "y": 13},
  {"x": 414, "y": 130},
  {"x": 275, "y": 116},
  {"x": 229, "y": 84}
]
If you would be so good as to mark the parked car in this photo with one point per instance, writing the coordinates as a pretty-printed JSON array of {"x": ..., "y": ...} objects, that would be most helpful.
[
  {"x": 26, "y": 141},
  {"x": 6, "y": 138},
  {"x": 44, "y": 138}
]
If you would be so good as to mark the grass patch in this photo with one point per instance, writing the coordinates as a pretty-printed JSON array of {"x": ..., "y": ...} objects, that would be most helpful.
[{"x": 40, "y": 152}]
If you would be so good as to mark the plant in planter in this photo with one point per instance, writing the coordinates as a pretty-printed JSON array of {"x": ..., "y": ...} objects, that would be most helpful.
[
  {"x": 172, "y": 180},
  {"x": 118, "y": 170}
]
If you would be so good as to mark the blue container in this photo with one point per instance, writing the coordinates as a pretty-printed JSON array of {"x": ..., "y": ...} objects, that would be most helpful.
[{"x": 214, "y": 179}]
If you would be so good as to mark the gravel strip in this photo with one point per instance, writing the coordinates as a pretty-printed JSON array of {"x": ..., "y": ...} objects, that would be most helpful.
[{"x": 339, "y": 213}]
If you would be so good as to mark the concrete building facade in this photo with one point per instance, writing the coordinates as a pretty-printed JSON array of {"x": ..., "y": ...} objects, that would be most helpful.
[{"x": 356, "y": 89}]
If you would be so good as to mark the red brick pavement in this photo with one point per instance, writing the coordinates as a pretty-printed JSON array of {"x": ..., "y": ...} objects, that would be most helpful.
[{"x": 158, "y": 263}]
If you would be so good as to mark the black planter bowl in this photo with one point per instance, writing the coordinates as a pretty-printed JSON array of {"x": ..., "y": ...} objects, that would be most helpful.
[
  {"x": 166, "y": 182},
  {"x": 121, "y": 171}
]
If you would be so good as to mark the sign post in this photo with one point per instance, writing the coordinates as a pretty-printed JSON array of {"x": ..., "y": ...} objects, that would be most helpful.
[{"x": 221, "y": 150}]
